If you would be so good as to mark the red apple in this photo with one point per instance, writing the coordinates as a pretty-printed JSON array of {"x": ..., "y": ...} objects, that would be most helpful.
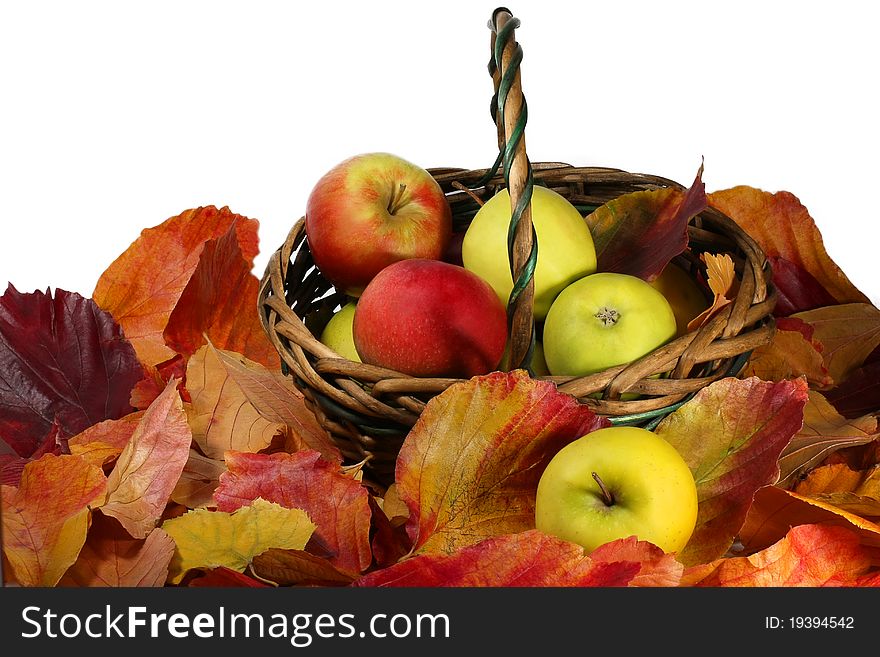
[
  {"x": 429, "y": 318},
  {"x": 372, "y": 210}
]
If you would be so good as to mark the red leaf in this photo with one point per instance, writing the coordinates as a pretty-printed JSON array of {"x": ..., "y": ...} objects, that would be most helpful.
[
  {"x": 797, "y": 288},
  {"x": 470, "y": 466},
  {"x": 143, "y": 285},
  {"x": 336, "y": 503},
  {"x": 219, "y": 303},
  {"x": 226, "y": 577},
  {"x": 731, "y": 435},
  {"x": 640, "y": 232},
  {"x": 808, "y": 555},
  {"x": 657, "y": 567},
  {"x": 11, "y": 468},
  {"x": 529, "y": 558},
  {"x": 63, "y": 360}
]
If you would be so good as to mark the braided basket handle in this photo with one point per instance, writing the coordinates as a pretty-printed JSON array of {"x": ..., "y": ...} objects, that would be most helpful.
[{"x": 510, "y": 113}]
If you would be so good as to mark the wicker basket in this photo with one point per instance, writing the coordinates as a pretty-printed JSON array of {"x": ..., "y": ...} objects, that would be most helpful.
[{"x": 368, "y": 410}]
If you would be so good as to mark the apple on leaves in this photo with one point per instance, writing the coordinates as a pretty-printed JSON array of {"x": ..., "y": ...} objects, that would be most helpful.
[
  {"x": 372, "y": 210},
  {"x": 615, "y": 483}
]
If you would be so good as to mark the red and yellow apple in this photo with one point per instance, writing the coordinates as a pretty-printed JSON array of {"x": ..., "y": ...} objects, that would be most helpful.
[
  {"x": 372, "y": 210},
  {"x": 614, "y": 483},
  {"x": 565, "y": 246},
  {"x": 337, "y": 334},
  {"x": 683, "y": 294},
  {"x": 430, "y": 318},
  {"x": 603, "y": 320}
]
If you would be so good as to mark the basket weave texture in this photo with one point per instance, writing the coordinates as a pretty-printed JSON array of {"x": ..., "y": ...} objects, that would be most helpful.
[{"x": 368, "y": 410}]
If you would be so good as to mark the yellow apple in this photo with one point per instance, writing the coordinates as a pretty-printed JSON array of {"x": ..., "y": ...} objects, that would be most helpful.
[
  {"x": 565, "y": 246},
  {"x": 615, "y": 483},
  {"x": 603, "y": 320},
  {"x": 338, "y": 333},
  {"x": 682, "y": 293}
]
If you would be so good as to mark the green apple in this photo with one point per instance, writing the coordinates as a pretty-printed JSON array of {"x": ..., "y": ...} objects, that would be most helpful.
[
  {"x": 338, "y": 333},
  {"x": 615, "y": 483},
  {"x": 603, "y": 320},
  {"x": 565, "y": 246}
]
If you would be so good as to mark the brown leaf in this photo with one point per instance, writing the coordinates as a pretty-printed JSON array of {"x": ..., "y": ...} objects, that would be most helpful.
[
  {"x": 731, "y": 434},
  {"x": 336, "y": 503},
  {"x": 143, "y": 285},
  {"x": 276, "y": 399},
  {"x": 824, "y": 431},
  {"x": 784, "y": 228},
  {"x": 198, "y": 481},
  {"x": 46, "y": 518},
  {"x": 150, "y": 465},
  {"x": 298, "y": 568},
  {"x": 220, "y": 414},
  {"x": 111, "y": 557},
  {"x": 470, "y": 466},
  {"x": 808, "y": 555},
  {"x": 848, "y": 333}
]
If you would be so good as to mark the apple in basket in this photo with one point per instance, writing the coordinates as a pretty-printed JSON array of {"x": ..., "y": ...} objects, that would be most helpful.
[
  {"x": 615, "y": 483},
  {"x": 372, "y": 210},
  {"x": 565, "y": 246},
  {"x": 429, "y": 318},
  {"x": 603, "y": 320}
]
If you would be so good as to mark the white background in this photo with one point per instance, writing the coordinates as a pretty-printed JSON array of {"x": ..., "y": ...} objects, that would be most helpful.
[{"x": 117, "y": 115}]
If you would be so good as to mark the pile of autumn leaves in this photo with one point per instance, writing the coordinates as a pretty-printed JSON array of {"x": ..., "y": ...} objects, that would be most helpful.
[{"x": 156, "y": 442}]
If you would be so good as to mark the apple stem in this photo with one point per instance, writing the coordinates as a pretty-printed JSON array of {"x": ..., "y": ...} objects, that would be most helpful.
[
  {"x": 396, "y": 198},
  {"x": 607, "y": 496},
  {"x": 608, "y": 316}
]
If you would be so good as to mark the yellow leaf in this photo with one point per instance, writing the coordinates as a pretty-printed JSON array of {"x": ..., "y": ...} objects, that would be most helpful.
[{"x": 208, "y": 539}]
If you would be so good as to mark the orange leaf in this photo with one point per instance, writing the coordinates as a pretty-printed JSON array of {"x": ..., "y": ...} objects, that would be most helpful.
[
  {"x": 824, "y": 432},
  {"x": 103, "y": 442},
  {"x": 336, "y": 503},
  {"x": 855, "y": 491},
  {"x": 808, "y": 555},
  {"x": 143, "y": 285},
  {"x": 848, "y": 334},
  {"x": 529, "y": 558},
  {"x": 46, "y": 518},
  {"x": 657, "y": 567},
  {"x": 221, "y": 416},
  {"x": 775, "y": 510},
  {"x": 791, "y": 353},
  {"x": 470, "y": 466},
  {"x": 111, "y": 557},
  {"x": 784, "y": 228},
  {"x": 731, "y": 434},
  {"x": 150, "y": 465},
  {"x": 218, "y": 303},
  {"x": 276, "y": 399},
  {"x": 720, "y": 277}
]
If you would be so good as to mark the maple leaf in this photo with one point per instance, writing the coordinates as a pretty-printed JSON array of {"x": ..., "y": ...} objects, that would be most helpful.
[
  {"x": 731, "y": 434},
  {"x": 470, "y": 466},
  {"x": 784, "y": 229},
  {"x": 529, "y": 558},
  {"x": 45, "y": 519},
  {"x": 207, "y": 539},
  {"x": 111, "y": 557},
  {"x": 148, "y": 468},
  {"x": 143, "y": 285},
  {"x": 336, "y": 503},
  {"x": 808, "y": 555},
  {"x": 219, "y": 305},
  {"x": 64, "y": 365},
  {"x": 622, "y": 227}
]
